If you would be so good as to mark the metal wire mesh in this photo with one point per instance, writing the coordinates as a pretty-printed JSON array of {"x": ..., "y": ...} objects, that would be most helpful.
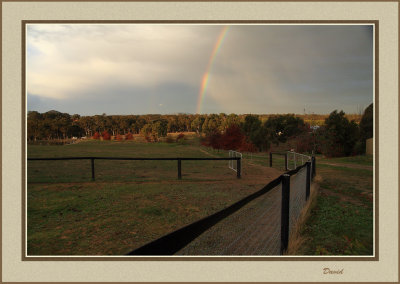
[
  {"x": 253, "y": 230},
  {"x": 233, "y": 164},
  {"x": 295, "y": 160},
  {"x": 297, "y": 195}
]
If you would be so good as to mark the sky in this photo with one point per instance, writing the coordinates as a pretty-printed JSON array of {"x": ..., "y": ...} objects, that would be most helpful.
[{"x": 166, "y": 69}]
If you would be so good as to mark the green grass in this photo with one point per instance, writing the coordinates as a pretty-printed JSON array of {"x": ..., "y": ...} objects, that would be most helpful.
[
  {"x": 129, "y": 204},
  {"x": 366, "y": 160},
  {"x": 102, "y": 219},
  {"x": 341, "y": 218}
]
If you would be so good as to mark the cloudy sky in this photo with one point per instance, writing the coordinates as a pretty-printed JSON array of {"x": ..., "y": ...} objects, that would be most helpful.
[{"x": 141, "y": 68}]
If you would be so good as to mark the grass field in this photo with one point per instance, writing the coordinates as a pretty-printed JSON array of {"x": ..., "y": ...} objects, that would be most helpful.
[
  {"x": 134, "y": 202},
  {"x": 130, "y": 203},
  {"x": 341, "y": 218}
]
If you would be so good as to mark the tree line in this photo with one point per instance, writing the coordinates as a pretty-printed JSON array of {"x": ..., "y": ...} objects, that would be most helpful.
[
  {"x": 57, "y": 125},
  {"x": 338, "y": 136}
]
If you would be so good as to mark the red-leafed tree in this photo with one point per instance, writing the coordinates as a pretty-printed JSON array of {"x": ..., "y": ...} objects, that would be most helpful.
[
  {"x": 106, "y": 135},
  {"x": 232, "y": 138},
  {"x": 213, "y": 139},
  {"x": 247, "y": 146},
  {"x": 96, "y": 135}
]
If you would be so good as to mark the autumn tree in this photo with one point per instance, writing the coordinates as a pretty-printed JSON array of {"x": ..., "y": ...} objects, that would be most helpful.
[
  {"x": 159, "y": 128},
  {"x": 146, "y": 130},
  {"x": 197, "y": 124}
]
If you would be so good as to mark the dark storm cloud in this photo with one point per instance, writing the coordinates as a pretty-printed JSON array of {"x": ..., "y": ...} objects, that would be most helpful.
[{"x": 114, "y": 69}]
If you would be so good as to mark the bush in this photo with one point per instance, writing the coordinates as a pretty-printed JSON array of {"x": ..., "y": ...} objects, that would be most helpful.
[
  {"x": 246, "y": 146},
  {"x": 232, "y": 139},
  {"x": 129, "y": 136},
  {"x": 305, "y": 143},
  {"x": 96, "y": 136},
  {"x": 213, "y": 139},
  {"x": 106, "y": 135},
  {"x": 119, "y": 137}
]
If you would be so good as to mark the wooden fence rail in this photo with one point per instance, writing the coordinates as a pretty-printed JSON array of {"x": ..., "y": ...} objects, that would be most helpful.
[{"x": 238, "y": 159}]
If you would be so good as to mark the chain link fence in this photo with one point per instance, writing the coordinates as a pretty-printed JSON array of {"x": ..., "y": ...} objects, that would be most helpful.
[
  {"x": 253, "y": 230},
  {"x": 256, "y": 225},
  {"x": 297, "y": 196}
]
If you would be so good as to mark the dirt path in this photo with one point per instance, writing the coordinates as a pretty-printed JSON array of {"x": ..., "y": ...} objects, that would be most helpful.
[
  {"x": 207, "y": 153},
  {"x": 253, "y": 172}
]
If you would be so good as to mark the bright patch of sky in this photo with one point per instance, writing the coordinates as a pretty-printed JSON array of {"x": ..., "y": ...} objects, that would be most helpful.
[{"x": 141, "y": 68}]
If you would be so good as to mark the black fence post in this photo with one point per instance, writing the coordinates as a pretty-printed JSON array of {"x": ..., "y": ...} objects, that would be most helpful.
[
  {"x": 270, "y": 159},
  {"x": 308, "y": 180},
  {"x": 286, "y": 162},
  {"x": 179, "y": 169},
  {"x": 285, "y": 212},
  {"x": 92, "y": 162},
  {"x": 239, "y": 167},
  {"x": 313, "y": 166}
]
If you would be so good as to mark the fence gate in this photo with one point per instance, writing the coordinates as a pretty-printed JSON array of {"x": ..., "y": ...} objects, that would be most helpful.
[
  {"x": 295, "y": 159},
  {"x": 233, "y": 164}
]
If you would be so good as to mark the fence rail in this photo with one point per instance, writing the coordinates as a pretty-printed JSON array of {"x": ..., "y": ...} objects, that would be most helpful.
[{"x": 92, "y": 159}]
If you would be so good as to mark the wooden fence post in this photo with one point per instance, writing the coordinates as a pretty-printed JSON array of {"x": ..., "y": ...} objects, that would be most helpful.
[
  {"x": 239, "y": 167},
  {"x": 179, "y": 169},
  {"x": 270, "y": 159},
  {"x": 285, "y": 212},
  {"x": 313, "y": 166},
  {"x": 92, "y": 162},
  {"x": 308, "y": 177}
]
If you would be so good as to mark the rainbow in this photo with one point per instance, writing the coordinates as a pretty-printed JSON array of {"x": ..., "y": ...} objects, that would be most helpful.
[{"x": 206, "y": 76}]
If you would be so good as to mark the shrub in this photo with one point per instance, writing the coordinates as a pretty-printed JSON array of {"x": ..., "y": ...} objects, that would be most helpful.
[
  {"x": 119, "y": 137},
  {"x": 129, "y": 136},
  {"x": 106, "y": 135},
  {"x": 305, "y": 143},
  {"x": 213, "y": 139},
  {"x": 96, "y": 136},
  {"x": 232, "y": 139},
  {"x": 247, "y": 146}
]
